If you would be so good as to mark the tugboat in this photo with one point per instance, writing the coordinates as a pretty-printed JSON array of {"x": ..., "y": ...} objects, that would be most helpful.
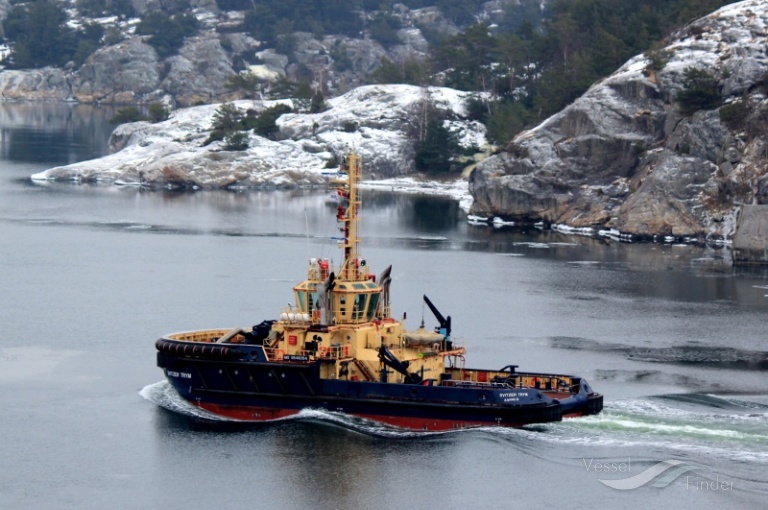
[{"x": 339, "y": 349}]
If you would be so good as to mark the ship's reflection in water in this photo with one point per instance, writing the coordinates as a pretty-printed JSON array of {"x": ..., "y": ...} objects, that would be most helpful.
[{"x": 307, "y": 462}]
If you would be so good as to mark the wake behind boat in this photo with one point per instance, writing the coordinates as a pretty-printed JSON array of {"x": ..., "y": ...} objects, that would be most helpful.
[{"x": 339, "y": 348}]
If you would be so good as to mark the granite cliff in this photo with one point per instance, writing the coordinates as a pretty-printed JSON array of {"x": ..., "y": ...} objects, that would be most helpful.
[
  {"x": 128, "y": 70},
  {"x": 632, "y": 156}
]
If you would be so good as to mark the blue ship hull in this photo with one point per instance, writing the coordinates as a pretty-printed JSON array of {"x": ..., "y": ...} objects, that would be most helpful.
[{"x": 258, "y": 390}]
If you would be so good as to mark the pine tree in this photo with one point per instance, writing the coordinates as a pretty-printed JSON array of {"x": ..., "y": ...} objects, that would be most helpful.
[
  {"x": 434, "y": 154},
  {"x": 40, "y": 35},
  {"x": 701, "y": 91}
]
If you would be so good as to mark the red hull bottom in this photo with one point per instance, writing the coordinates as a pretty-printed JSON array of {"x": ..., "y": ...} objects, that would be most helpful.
[
  {"x": 264, "y": 414},
  {"x": 246, "y": 413},
  {"x": 577, "y": 414}
]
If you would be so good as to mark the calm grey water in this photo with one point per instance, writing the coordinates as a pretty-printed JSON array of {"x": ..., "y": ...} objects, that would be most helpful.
[{"x": 673, "y": 337}]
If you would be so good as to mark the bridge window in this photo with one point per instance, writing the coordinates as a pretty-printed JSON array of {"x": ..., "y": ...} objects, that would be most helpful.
[
  {"x": 359, "y": 308},
  {"x": 372, "y": 305},
  {"x": 301, "y": 301}
]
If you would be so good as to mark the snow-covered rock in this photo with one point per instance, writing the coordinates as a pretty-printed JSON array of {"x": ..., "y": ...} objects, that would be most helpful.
[{"x": 373, "y": 120}]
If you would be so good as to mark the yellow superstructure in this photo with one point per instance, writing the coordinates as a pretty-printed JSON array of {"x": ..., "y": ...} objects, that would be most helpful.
[{"x": 343, "y": 314}]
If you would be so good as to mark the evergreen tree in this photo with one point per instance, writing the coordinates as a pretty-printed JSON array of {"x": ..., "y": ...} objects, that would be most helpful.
[
  {"x": 167, "y": 33},
  {"x": 434, "y": 154},
  {"x": 317, "y": 103},
  {"x": 260, "y": 23},
  {"x": 126, "y": 115},
  {"x": 384, "y": 27},
  {"x": 236, "y": 5},
  {"x": 285, "y": 39},
  {"x": 282, "y": 88},
  {"x": 40, "y": 35},
  {"x": 227, "y": 119},
  {"x": 410, "y": 71},
  {"x": 690, "y": 10},
  {"x": 266, "y": 123},
  {"x": 507, "y": 118},
  {"x": 701, "y": 91},
  {"x": 302, "y": 96},
  {"x": 157, "y": 112},
  {"x": 96, "y": 8},
  {"x": 89, "y": 39},
  {"x": 460, "y": 12},
  {"x": 317, "y": 16},
  {"x": 514, "y": 54},
  {"x": 246, "y": 83},
  {"x": 236, "y": 141},
  {"x": 467, "y": 58}
]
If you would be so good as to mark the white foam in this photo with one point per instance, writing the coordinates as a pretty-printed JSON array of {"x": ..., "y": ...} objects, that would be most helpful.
[
  {"x": 644, "y": 423},
  {"x": 162, "y": 394}
]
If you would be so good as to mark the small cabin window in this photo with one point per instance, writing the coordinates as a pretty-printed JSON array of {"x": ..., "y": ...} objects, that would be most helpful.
[
  {"x": 372, "y": 305},
  {"x": 301, "y": 300},
  {"x": 313, "y": 301},
  {"x": 359, "y": 308}
]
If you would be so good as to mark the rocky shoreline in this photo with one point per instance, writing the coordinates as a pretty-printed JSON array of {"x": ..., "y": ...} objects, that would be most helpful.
[{"x": 625, "y": 158}]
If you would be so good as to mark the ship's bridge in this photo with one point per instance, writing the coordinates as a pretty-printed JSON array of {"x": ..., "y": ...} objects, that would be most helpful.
[
  {"x": 348, "y": 301},
  {"x": 355, "y": 302}
]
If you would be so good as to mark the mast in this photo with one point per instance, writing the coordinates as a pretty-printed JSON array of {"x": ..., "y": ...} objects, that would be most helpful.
[{"x": 347, "y": 215}]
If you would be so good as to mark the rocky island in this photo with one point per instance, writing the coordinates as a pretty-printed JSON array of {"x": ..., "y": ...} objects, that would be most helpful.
[
  {"x": 637, "y": 153},
  {"x": 373, "y": 119}
]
